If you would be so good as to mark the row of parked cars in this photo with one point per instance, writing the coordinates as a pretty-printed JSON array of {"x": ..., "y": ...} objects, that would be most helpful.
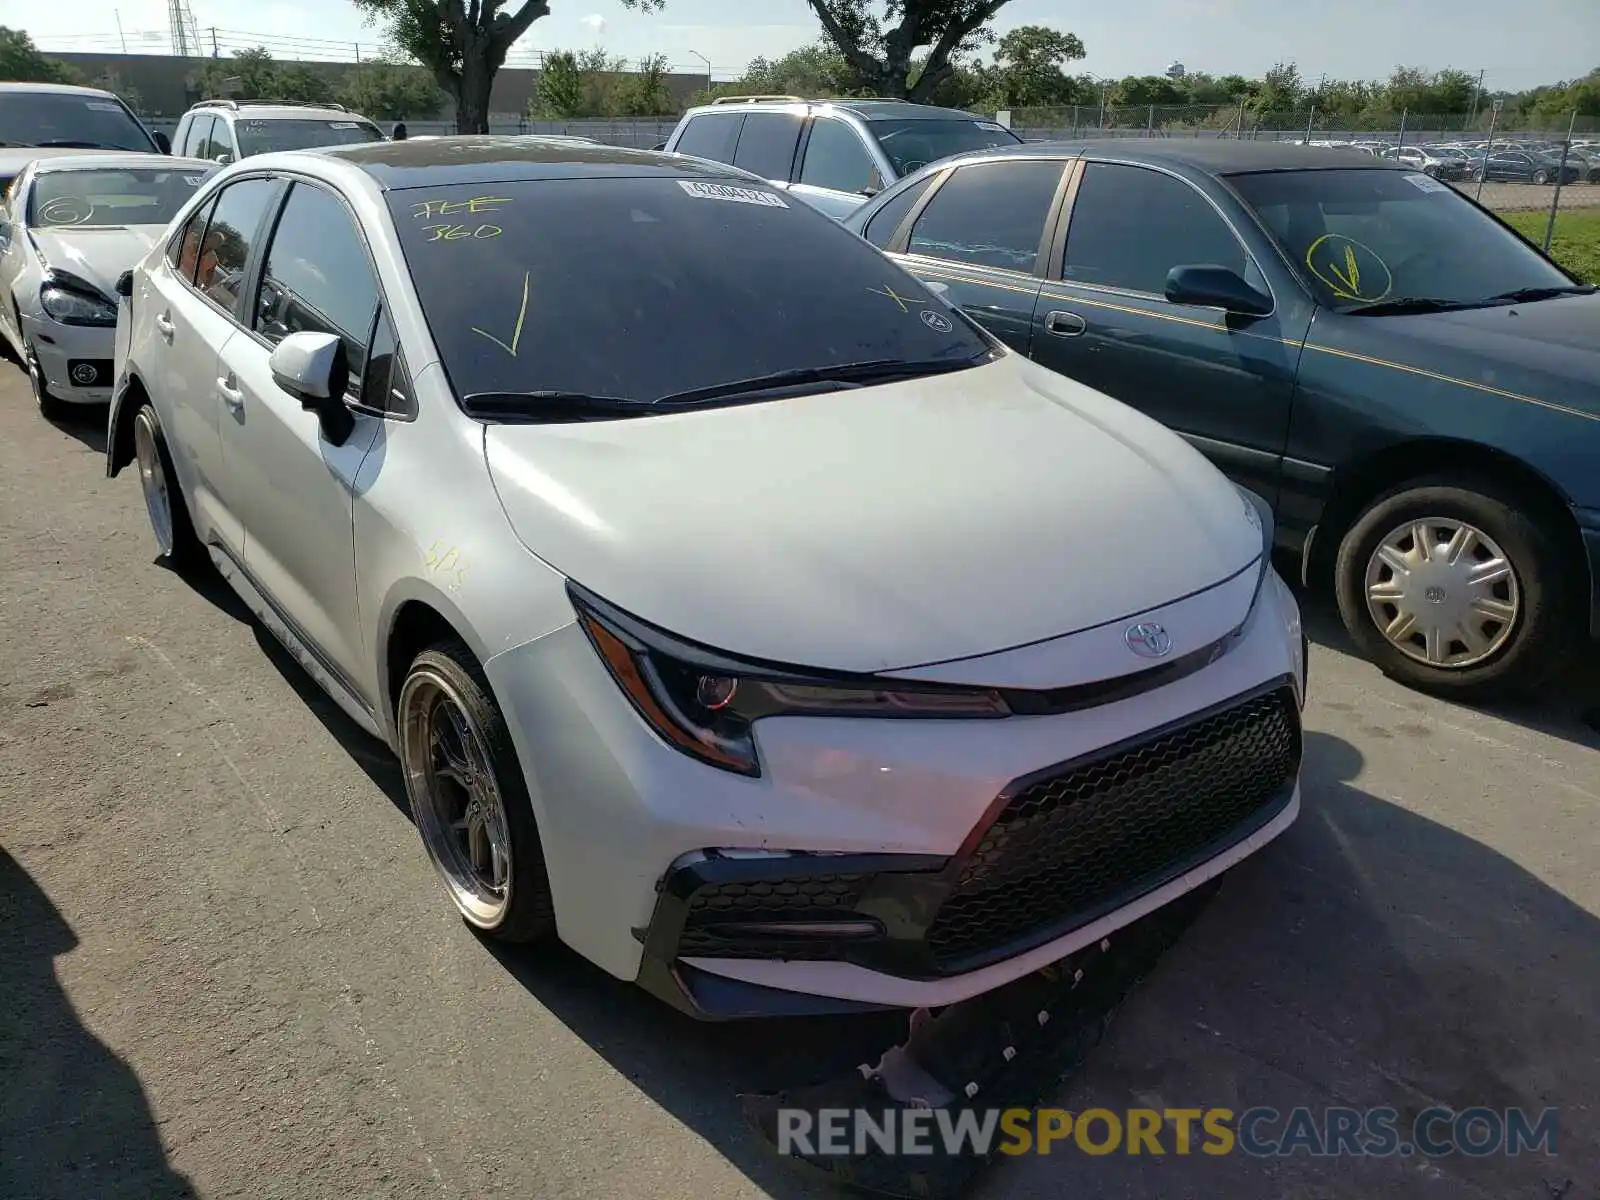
[
  {"x": 822, "y": 588},
  {"x": 1539, "y": 162}
]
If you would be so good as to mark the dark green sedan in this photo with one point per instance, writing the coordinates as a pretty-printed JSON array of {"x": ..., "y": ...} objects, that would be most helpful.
[{"x": 1413, "y": 386}]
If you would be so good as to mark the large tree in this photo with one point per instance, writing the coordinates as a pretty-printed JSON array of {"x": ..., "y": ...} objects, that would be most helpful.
[
  {"x": 464, "y": 42},
  {"x": 21, "y": 61},
  {"x": 880, "y": 40}
]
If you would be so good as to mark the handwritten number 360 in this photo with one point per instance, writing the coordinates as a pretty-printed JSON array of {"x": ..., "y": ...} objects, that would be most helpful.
[{"x": 456, "y": 233}]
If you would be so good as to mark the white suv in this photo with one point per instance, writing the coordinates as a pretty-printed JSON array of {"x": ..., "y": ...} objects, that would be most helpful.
[{"x": 225, "y": 131}]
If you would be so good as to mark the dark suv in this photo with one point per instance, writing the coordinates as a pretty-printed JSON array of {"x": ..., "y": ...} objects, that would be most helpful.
[{"x": 833, "y": 154}]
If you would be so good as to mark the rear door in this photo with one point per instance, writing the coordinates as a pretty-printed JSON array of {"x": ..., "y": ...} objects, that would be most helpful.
[
  {"x": 712, "y": 135},
  {"x": 767, "y": 145},
  {"x": 983, "y": 231},
  {"x": 1225, "y": 382}
]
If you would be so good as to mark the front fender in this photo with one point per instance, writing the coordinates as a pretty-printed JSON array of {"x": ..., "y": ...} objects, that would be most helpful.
[{"x": 119, "y": 421}]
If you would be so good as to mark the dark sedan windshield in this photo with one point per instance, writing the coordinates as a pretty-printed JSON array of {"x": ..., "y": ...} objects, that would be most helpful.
[
  {"x": 268, "y": 136},
  {"x": 70, "y": 119},
  {"x": 641, "y": 288},
  {"x": 1365, "y": 237},
  {"x": 912, "y": 144}
]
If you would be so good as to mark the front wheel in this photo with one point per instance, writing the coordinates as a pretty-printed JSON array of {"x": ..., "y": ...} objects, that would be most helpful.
[
  {"x": 50, "y": 408},
  {"x": 1451, "y": 589},
  {"x": 1541, "y": 177},
  {"x": 468, "y": 797},
  {"x": 176, "y": 543},
  {"x": 1480, "y": 175}
]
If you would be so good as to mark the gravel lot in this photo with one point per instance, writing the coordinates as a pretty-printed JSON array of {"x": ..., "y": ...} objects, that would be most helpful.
[
  {"x": 1522, "y": 197},
  {"x": 228, "y": 970}
]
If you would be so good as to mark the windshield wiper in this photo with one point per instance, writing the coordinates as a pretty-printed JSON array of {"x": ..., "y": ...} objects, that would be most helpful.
[
  {"x": 75, "y": 144},
  {"x": 549, "y": 407},
  {"x": 1401, "y": 305},
  {"x": 1528, "y": 295},
  {"x": 853, "y": 374}
]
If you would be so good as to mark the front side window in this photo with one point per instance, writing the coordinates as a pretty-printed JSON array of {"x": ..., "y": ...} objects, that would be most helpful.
[
  {"x": 644, "y": 288},
  {"x": 912, "y": 144},
  {"x": 233, "y": 229},
  {"x": 86, "y": 120},
  {"x": 1364, "y": 237},
  {"x": 989, "y": 215},
  {"x": 885, "y": 222},
  {"x": 258, "y": 136},
  {"x": 108, "y": 199},
  {"x": 318, "y": 278},
  {"x": 193, "y": 142},
  {"x": 1130, "y": 226},
  {"x": 836, "y": 159},
  {"x": 183, "y": 251},
  {"x": 767, "y": 143},
  {"x": 711, "y": 135}
]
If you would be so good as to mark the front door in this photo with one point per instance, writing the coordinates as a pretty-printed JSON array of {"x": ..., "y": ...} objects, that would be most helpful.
[
  {"x": 837, "y": 173},
  {"x": 981, "y": 234},
  {"x": 295, "y": 487},
  {"x": 1224, "y": 382}
]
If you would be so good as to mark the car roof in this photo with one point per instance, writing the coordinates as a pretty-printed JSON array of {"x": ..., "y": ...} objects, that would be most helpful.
[
  {"x": 62, "y": 89},
  {"x": 486, "y": 158},
  {"x": 1217, "y": 156},
  {"x": 868, "y": 108},
  {"x": 281, "y": 112},
  {"x": 112, "y": 161}
]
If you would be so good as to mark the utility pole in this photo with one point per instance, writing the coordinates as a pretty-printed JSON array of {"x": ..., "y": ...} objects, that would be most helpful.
[
  {"x": 1561, "y": 173},
  {"x": 707, "y": 62},
  {"x": 1477, "y": 95},
  {"x": 215, "y": 53},
  {"x": 1488, "y": 150},
  {"x": 122, "y": 37}
]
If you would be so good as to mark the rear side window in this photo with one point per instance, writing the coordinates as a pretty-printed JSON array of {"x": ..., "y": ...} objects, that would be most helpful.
[
  {"x": 881, "y": 229},
  {"x": 711, "y": 135},
  {"x": 837, "y": 160},
  {"x": 989, "y": 215},
  {"x": 231, "y": 234},
  {"x": 318, "y": 278},
  {"x": 647, "y": 287},
  {"x": 767, "y": 144}
]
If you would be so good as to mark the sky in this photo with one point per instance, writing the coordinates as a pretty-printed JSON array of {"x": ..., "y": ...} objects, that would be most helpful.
[{"x": 1517, "y": 43}]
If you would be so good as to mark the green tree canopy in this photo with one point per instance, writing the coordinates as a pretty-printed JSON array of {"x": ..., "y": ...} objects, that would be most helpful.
[{"x": 21, "y": 61}]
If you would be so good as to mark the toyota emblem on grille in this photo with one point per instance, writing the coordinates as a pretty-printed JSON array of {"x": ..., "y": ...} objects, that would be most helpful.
[{"x": 1148, "y": 640}]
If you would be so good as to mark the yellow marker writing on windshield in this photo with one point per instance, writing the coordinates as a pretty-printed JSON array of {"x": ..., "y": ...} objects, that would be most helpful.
[
  {"x": 903, "y": 301},
  {"x": 1342, "y": 275},
  {"x": 516, "y": 332},
  {"x": 446, "y": 208}
]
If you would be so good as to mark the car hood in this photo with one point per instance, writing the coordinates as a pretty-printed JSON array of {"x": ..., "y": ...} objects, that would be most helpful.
[
  {"x": 97, "y": 255},
  {"x": 1549, "y": 350},
  {"x": 880, "y": 528}
]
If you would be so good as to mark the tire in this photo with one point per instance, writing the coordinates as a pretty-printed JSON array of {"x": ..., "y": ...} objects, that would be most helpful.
[
  {"x": 1541, "y": 177},
  {"x": 1594, "y": 175},
  {"x": 1480, "y": 175},
  {"x": 177, "y": 546},
  {"x": 50, "y": 408},
  {"x": 451, "y": 731},
  {"x": 1511, "y": 637}
]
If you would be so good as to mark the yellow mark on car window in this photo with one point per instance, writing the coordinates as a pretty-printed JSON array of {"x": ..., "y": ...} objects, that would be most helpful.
[
  {"x": 1351, "y": 270},
  {"x": 448, "y": 208},
  {"x": 516, "y": 332},
  {"x": 445, "y": 561},
  {"x": 456, "y": 233},
  {"x": 905, "y": 302}
]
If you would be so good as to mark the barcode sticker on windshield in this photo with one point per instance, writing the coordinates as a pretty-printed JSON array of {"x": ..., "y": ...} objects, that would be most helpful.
[
  {"x": 739, "y": 195},
  {"x": 194, "y": 180},
  {"x": 992, "y": 127},
  {"x": 344, "y": 125},
  {"x": 104, "y": 106},
  {"x": 1426, "y": 183}
]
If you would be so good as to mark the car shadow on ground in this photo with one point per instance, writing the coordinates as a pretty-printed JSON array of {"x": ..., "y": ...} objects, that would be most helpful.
[
  {"x": 86, "y": 425},
  {"x": 1568, "y": 709},
  {"x": 74, "y": 1120}
]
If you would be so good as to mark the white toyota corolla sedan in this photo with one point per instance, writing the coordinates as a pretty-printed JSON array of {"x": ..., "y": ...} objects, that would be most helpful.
[
  {"x": 69, "y": 227},
  {"x": 740, "y": 613}
]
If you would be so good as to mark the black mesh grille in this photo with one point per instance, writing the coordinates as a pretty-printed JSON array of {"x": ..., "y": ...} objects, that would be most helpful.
[
  {"x": 814, "y": 897},
  {"x": 1100, "y": 833}
]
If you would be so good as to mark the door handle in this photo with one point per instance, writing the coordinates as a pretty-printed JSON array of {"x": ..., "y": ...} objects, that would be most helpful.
[
  {"x": 1065, "y": 324},
  {"x": 231, "y": 395},
  {"x": 165, "y": 327}
]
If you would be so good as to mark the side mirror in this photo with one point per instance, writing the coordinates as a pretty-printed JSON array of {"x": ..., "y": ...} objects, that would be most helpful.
[
  {"x": 224, "y": 158},
  {"x": 941, "y": 290},
  {"x": 125, "y": 284},
  {"x": 311, "y": 367},
  {"x": 5, "y": 232},
  {"x": 1208, "y": 286},
  {"x": 162, "y": 141},
  {"x": 659, "y": 147}
]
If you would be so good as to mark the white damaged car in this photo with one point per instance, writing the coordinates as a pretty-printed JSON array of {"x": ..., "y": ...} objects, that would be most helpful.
[
  {"x": 741, "y": 614},
  {"x": 70, "y": 226}
]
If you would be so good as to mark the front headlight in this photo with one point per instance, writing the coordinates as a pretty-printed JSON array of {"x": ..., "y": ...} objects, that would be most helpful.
[
  {"x": 72, "y": 307},
  {"x": 705, "y": 703}
]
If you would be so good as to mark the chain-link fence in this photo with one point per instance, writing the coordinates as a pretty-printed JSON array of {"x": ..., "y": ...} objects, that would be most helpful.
[{"x": 642, "y": 134}]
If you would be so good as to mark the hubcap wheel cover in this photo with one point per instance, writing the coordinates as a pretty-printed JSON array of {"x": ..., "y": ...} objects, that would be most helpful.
[
  {"x": 455, "y": 798},
  {"x": 153, "y": 481},
  {"x": 1443, "y": 593}
]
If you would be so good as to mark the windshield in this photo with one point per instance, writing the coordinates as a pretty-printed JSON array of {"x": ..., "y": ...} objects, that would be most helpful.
[
  {"x": 913, "y": 144},
  {"x": 70, "y": 119},
  {"x": 1362, "y": 237},
  {"x": 647, "y": 287},
  {"x": 267, "y": 136},
  {"x": 96, "y": 199}
]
